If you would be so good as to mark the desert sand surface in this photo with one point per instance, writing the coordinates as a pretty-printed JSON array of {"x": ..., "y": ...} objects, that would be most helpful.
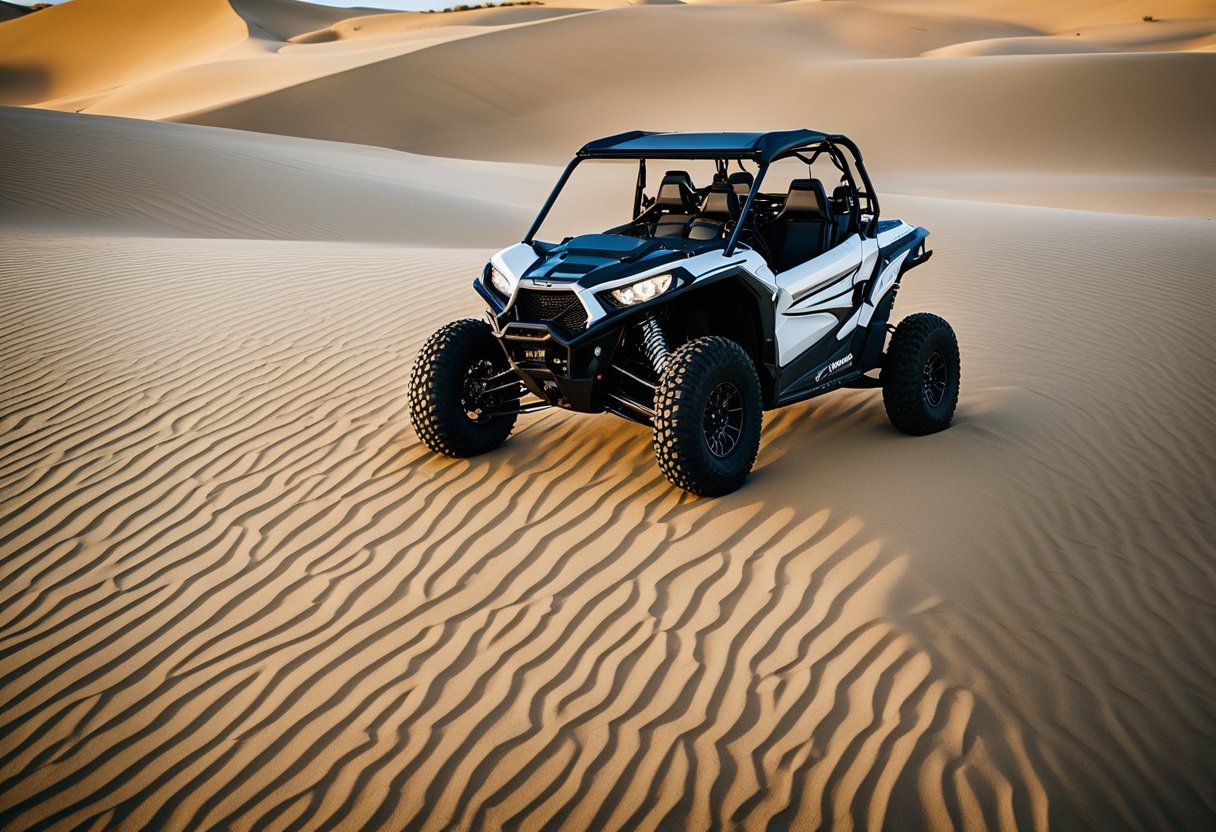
[{"x": 236, "y": 592}]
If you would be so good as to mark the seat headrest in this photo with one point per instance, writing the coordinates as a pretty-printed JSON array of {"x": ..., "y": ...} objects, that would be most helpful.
[
  {"x": 675, "y": 191},
  {"x": 741, "y": 181},
  {"x": 806, "y": 197},
  {"x": 721, "y": 200},
  {"x": 842, "y": 199}
]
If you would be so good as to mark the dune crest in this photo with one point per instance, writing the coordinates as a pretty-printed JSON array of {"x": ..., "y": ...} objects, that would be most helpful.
[{"x": 88, "y": 46}]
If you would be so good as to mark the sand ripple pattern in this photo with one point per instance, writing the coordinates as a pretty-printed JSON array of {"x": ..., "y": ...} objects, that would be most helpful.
[{"x": 237, "y": 593}]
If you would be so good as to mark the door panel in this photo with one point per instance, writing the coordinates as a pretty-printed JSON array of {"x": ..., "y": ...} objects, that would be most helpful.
[{"x": 814, "y": 297}]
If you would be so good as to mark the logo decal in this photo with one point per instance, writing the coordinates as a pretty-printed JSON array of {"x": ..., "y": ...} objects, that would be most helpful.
[{"x": 838, "y": 364}]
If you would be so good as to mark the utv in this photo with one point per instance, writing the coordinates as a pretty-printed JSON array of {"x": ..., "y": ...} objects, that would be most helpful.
[{"x": 714, "y": 302}]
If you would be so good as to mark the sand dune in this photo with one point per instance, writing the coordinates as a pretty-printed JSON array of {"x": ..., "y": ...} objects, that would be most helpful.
[
  {"x": 422, "y": 83},
  {"x": 1018, "y": 46},
  {"x": 237, "y": 592},
  {"x": 383, "y": 25},
  {"x": 284, "y": 19},
  {"x": 280, "y": 607},
  {"x": 538, "y": 114},
  {"x": 102, "y": 175},
  {"x": 258, "y": 47},
  {"x": 9, "y": 11},
  {"x": 101, "y": 44},
  {"x": 1055, "y": 17},
  {"x": 261, "y": 500}
]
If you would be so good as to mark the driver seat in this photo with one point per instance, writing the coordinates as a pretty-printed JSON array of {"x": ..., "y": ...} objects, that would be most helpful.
[{"x": 675, "y": 202}]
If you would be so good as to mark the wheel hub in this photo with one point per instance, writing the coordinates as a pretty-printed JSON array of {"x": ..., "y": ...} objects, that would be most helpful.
[
  {"x": 472, "y": 394},
  {"x": 723, "y": 420},
  {"x": 934, "y": 378}
]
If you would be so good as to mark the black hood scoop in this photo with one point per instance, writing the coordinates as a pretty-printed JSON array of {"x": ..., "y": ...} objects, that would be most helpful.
[
  {"x": 608, "y": 245},
  {"x": 591, "y": 259}
]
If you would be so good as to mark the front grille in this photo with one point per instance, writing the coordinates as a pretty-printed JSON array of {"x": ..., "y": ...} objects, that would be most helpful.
[{"x": 562, "y": 308}]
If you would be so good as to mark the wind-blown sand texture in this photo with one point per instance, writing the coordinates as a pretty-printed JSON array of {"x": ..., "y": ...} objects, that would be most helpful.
[{"x": 236, "y": 591}]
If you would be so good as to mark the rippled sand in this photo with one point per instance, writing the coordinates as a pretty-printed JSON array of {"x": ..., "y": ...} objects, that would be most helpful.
[{"x": 236, "y": 592}]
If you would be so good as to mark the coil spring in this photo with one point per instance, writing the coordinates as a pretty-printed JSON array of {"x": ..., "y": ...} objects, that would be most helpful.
[{"x": 654, "y": 344}]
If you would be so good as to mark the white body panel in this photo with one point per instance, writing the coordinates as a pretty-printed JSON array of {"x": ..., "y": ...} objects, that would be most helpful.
[
  {"x": 886, "y": 280},
  {"x": 806, "y": 293},
  {"x": 869, "y": 259},
  {"x": 894, "y": 233},
  {"x": 514, "y": 261},
  {"x": 884, "y": 283}
]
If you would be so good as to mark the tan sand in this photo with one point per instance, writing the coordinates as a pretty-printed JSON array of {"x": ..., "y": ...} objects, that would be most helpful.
[
  {"x": 90, "y": 44},
  {"x": 237, "y": 592},
  {"x": 156, "y": 179},
  {"x": 962, "y": 114}
]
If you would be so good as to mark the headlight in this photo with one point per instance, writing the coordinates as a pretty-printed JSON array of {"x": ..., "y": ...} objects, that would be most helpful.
[
  {"x": 643, "y": 290},
  {"x": 499, "y": 282}
]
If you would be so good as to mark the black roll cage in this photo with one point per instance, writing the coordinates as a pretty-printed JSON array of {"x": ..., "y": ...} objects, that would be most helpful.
[{"x": 865, "y": 198}]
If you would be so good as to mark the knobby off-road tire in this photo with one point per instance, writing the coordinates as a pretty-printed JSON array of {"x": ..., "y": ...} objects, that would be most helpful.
[
  {"x": 707, "y": 417},
  {"x": 920, "y": 375},
  {"x": 443, "y": 391}
]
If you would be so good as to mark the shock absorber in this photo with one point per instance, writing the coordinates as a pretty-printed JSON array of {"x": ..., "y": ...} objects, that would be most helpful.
[{"x": 654, "y": 344}]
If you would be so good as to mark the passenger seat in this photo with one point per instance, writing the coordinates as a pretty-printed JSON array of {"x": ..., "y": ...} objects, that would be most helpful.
[
  {"x": 721, "y": 206},
  {"x": 741, "y": 181},
  {"x": 842, "y": 207},
  {"x": 803, "y": 229}
]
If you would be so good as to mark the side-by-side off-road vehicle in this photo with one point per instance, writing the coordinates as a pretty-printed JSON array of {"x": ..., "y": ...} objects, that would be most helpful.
[{"x": 754, "y": 288}]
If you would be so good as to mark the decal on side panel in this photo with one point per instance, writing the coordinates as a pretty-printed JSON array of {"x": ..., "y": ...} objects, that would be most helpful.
[{"x": 885, "y": 281}]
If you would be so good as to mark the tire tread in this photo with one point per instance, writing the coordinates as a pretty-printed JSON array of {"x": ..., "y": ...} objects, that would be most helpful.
[
  {"x": 439, "y": 361},
  {"x": 902, "y": 396},
  {"x": 678, "y": 440}
]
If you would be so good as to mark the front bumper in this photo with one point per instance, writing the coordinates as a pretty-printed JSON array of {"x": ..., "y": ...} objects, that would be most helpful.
[{"x": 566, "y": 371}]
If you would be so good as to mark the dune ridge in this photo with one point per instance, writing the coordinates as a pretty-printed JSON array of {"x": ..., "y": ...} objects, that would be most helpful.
[
  {"x": 536, "y": 114},
  {"x": 434, "y": 84}
]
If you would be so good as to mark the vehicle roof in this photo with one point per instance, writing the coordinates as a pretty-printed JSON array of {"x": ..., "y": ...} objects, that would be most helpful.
[{"x": 763, "y": 147}]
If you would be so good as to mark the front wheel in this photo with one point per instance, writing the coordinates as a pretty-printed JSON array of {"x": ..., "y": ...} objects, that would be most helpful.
[
  {"x": 707, "y": 417},
  {"x": 463, "y": 396},
  {"x": 920, "y": 376}
]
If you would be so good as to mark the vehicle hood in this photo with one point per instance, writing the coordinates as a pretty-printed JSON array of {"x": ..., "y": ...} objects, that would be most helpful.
[{"x": 592, "y": 259}]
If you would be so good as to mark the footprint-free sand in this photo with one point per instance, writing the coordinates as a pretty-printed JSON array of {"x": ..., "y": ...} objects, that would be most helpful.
[{"x": 237, "y": 592}]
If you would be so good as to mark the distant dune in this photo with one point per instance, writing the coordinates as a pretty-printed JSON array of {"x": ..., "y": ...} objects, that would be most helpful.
[
  {"x": 237, "y": 592},
  {"x": 8, "y": 11},
  {"x": 535, "y": 77},
  {"x": 165, "y": 180}
]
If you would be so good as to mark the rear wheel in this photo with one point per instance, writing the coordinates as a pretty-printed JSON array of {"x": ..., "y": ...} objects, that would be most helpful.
[
  {"x": 707, "y": 417},
  {"x": 463, "y": 394},
  {"x": 920, "y": 375}
]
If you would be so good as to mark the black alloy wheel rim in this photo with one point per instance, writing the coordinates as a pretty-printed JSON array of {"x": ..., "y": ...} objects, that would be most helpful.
[
  {"x": 723, "y": 422},
  {"x": 935, "y": 378},
  {"x": 473, "y": 392}
]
